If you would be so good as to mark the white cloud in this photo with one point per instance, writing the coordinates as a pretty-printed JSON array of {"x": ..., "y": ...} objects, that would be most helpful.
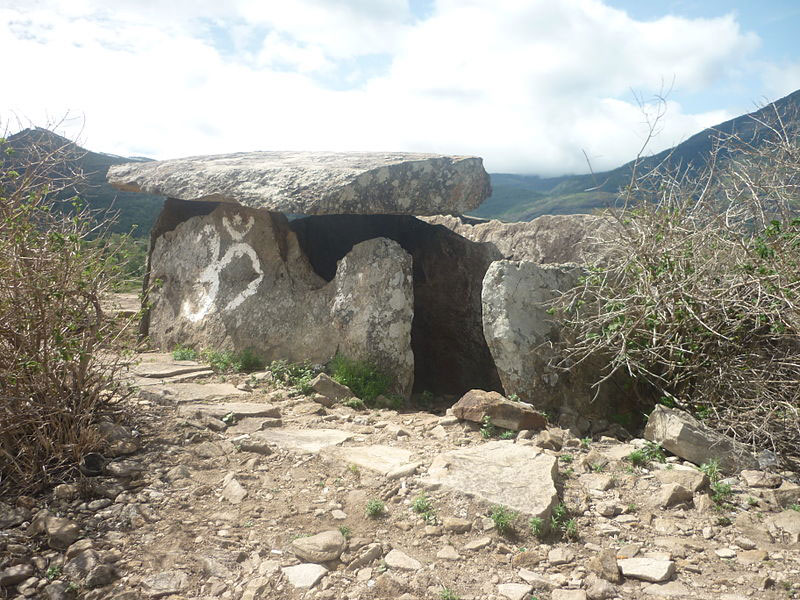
[{"x": 527, "y": 85}]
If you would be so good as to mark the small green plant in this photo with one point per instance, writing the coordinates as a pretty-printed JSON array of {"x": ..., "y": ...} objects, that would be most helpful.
[
  {"x": 711, "y": 469},
  {"x": 226, "y": 361},
  {"x": 724, "y": 521},
  {"x": 654, "y": 452},
  {"x": 503, "y": 519},
  {"x": 364, "y": 378},
  {"x": 508, "y": 435},
  {"x": 561, "y": 524},
  {"x": 720, "y": 492},
  {"x": 514, "y": 398},
  {"x": 375, "y": 508},
  {"x": 632, "y": 508},
  {"x": 585, "y": 442},
  {"x": 345, "y": 531},
  {"x": 597, "y": 467},
  {"x": 184, "y": 353},
  {"x": 637, "y": 458},
  {"x": 795, "y": 507},
  {"x": 566, "y": 458},
  {"x": 754, "y": 502},
  {"x": 570, "y": 529},
  {"x": 229, "y": 419},
  {"x": 297, "y": 375},
  {"x": 355, "y": 403},
  {"x": 73, "y": 587},
  {"x": 421, "y": 504},
  {"x": 448, "y": 594},
  {"x": 536, "y": 525},
  {"x": 53, "y": 572},
  {"x": 488, "y": 429},
  {"x": 354, "y": 470},
  {"x": 569, "y": 472}
]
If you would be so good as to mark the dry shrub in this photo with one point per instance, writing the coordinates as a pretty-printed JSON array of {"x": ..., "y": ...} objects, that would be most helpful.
[
  {"x": 703, "y": 300},
  {"x": 55, "y": 380}
]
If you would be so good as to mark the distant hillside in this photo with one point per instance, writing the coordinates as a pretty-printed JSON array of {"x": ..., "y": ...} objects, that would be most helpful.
[
  {"x": 139, "y": 210},
  {"x": 525, "y": 197}
]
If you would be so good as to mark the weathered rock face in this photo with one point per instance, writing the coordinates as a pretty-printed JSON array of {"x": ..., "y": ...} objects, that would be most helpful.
[
  {"x": 237, "y": 278},
  {"x": 685, "y": 436},
  {"x": 316, "y": 183},
  {"x": 517, "y": 327},
  {"x": 451, "y": 355},
  {"x": 549, "y": 239},
  {"x": 522, "y": 338}
]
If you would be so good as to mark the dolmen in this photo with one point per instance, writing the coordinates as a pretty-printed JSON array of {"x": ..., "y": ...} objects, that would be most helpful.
[{"x": 303, "y": 255}]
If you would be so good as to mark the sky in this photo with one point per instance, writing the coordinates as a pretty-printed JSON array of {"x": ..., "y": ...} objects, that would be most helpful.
[{"x": 532, "y": 86}]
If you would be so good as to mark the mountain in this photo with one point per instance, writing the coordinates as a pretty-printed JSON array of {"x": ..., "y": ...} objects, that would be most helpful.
[
  {"x": 134, "y": 212},
  {"x": 525, "y": 197}
]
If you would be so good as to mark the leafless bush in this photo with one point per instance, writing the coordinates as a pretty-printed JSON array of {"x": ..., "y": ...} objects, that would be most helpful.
[
  {"x": 703, "y": 301},
  {"x": 55, "y": 379}
]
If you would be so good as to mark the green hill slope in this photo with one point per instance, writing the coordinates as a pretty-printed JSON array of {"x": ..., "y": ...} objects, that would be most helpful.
[
  {"x": 525, "y": 197},
  {"x": 134, "y": 212}
]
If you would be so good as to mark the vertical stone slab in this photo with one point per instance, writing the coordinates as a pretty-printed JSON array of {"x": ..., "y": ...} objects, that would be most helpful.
[{"x": 373, "y": 306}]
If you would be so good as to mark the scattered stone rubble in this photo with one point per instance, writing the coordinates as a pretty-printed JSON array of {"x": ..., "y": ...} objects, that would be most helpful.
[{"x": 249, "y": 509}]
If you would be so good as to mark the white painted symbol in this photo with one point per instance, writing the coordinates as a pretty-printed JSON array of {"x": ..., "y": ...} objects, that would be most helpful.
[{"x": 207, "y": 286}]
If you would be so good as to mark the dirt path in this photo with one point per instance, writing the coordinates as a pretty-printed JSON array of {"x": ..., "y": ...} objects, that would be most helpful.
[{"x": 229, "y": 484}]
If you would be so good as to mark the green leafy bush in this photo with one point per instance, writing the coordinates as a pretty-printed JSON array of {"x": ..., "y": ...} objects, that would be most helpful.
[{"x": 364, "y": 379}]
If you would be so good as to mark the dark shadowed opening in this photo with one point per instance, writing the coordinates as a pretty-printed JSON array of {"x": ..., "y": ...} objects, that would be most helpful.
[{"x": 450, "y": 352}]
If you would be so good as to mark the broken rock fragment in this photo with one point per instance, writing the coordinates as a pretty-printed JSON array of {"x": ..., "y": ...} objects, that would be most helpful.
[
  {"x": 476, "y": 405},
  {"x": 683, "y": 435}
]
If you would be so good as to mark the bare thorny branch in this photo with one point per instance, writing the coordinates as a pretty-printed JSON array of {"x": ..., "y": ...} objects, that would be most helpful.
[{"x": 702, "y": 299}]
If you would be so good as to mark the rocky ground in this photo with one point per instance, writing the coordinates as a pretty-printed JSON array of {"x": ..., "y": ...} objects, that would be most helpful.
[{"x": 240, "y": 488}]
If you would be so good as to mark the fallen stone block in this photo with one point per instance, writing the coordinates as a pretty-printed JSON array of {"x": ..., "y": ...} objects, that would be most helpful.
[
  {"x": 476, "y": 405},
  {"x": 683, "y": 435}
]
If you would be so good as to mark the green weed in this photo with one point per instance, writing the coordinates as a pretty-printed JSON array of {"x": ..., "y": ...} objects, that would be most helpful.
[
  {"x": 421, "y": 504},
  {"x": 536, "y": 525},
  {"x": 184, "y": 353},
  {"x": 375, "y": 508},
  {"x": 448, "y": 594},
  {"x": 488, "y": 429},
  {"x": 364, "y": 378},
  {"x": 297, "y": 375},
  {"x": 503, "y": 519}
]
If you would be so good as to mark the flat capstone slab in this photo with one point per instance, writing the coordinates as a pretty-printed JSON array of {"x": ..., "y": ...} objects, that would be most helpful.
[
  {"x": 519, "y": 477},
  {"x": 382, "y": 459},
  {"x": 317, "y": 183},
  {"x": 303, "y": 441},
  {"x": 239, "y": 410}
]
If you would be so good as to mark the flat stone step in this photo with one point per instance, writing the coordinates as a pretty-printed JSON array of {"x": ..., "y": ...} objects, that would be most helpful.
[
  {"x": 382, "y": 459},
  {"x": 304, "y": 441},
  {"x": 516, "y": 476},
  {"x": 179, "y": 393},
  {"x": 164, "y": 370},
  {"x": 239, "y": 410}
]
